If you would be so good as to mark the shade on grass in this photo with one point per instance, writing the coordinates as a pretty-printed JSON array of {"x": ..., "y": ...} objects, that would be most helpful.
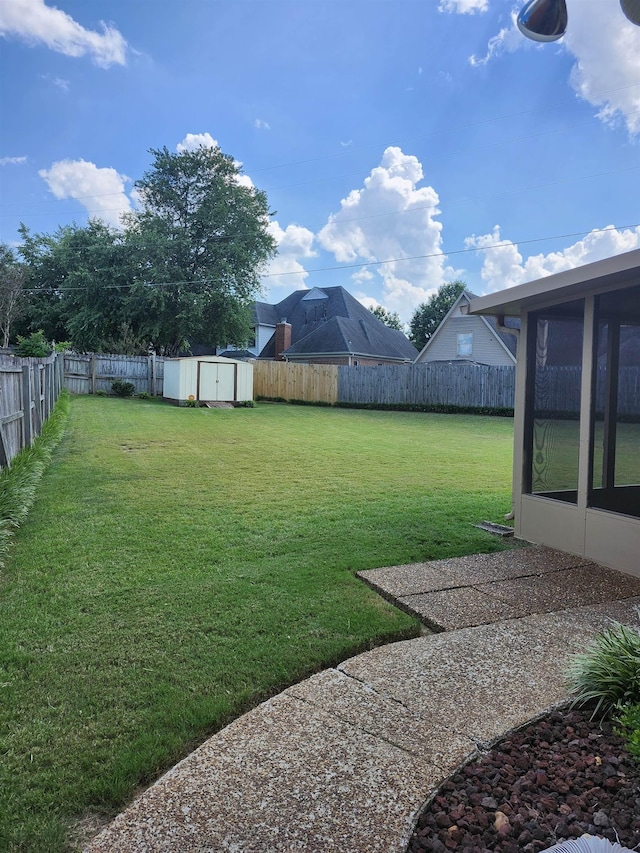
[{"x": 179, "y": 565}]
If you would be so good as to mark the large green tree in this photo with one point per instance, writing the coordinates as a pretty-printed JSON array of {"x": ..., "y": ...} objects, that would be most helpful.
[
  {"x": 13, "y": 296},
  {"x": 198, "y": 244},
  {"x": 428, "y": 316},
  {"x": 389, "y": 318},
  {"x": 79, "y": 283},
  {"x": 185, "y": 267}
]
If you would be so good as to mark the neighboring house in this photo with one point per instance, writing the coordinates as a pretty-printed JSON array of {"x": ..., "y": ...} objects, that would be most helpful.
[
  {"x": 467, "y": 338},
  {"x": 326, "y": 326},
  {"x": 576, "y": 474}
]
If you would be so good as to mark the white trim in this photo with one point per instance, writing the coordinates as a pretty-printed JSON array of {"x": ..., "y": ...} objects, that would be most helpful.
[{"x": 609, "y": 274}]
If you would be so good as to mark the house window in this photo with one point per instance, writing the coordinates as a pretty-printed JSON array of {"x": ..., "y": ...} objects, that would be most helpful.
[
  {"x": 465, "y": 345},
  {"x": 552, "y": 419}
]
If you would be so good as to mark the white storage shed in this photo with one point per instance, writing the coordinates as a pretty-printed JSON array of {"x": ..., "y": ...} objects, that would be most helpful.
[{"x": 207, "y": 379}]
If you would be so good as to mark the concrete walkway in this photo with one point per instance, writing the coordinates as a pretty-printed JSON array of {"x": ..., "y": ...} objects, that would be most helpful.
[{"x": 345, "y": 760}]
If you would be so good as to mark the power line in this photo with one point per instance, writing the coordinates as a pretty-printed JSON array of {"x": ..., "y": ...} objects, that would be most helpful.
[
  {"x": 445, "y": 203},
  {"x": 501, "y": 245}
]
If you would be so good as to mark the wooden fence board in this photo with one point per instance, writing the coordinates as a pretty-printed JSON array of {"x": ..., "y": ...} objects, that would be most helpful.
[
  {"x": 480, "y": 386},
  {"x": 86, "y": 374},
  {"x": 317, "y": 383},
  {"x": 29, "y": 388}
]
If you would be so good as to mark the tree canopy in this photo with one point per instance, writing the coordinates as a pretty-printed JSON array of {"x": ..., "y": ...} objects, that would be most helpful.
[
  {"x": 428, "y": 316},
  {"x": 389, "y": 318},
  {"x": 185, "y": 266},
  {"x": 13, "y": 298}
]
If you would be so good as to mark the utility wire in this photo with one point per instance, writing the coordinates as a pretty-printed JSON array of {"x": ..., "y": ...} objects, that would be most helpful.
[
  {"x": 503, "y": 244},
  {"x": 439, "y": 204}
]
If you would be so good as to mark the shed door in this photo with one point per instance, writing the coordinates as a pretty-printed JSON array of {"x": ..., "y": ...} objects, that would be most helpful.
[{"x": 216, "y": 381}]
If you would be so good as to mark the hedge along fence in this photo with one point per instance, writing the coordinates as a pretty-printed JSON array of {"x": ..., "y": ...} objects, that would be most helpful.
[{"x": 29, "y": 389}]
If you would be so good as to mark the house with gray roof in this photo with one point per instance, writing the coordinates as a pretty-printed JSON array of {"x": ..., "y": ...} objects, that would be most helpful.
[
  {"x": 463, "y": 337},
  {"x": 326, "y": 326}
]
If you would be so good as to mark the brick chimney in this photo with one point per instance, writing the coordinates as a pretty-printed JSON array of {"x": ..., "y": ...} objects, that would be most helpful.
[{"x": 283, "y": 338}]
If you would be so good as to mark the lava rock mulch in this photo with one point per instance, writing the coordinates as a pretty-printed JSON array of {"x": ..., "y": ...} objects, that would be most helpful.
[{"x": 555, "y": 779}]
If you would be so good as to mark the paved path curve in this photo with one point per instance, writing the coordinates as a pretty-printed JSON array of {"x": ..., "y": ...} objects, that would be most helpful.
[{"x": 345, "y": 760}]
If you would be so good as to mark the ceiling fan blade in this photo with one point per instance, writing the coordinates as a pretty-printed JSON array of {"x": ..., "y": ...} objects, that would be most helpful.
[
  {"x": 546, "y": 20},
  {"x": 631, "y": 8}
]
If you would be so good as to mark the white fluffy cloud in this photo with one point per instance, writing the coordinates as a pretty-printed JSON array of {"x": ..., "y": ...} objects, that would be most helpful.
[
  {"x": 606, "y": 47},
  {"x": 192, "y": 141},
  {"x": 100, "y": 191},
  {"x": 294, "y": 243},
  {"x": 36, "y": 23},
  {"x": 390, "y": 217},
  {"x": 463, "y": 7},
  {"x": 504, "y": 265},
  {"x": 507, "y": 40},
  {"x": 12, "y": 161}
]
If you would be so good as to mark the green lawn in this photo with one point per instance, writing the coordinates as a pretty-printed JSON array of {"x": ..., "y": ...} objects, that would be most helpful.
[{"x": 180, "y": 565}]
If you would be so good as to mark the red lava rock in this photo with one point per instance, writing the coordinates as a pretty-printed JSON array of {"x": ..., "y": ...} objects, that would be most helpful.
[{"x": 553, "y": 780}]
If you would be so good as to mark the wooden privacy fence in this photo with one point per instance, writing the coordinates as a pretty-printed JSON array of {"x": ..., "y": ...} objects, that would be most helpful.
[
  {"x": 432, "y": 383},
  {"x": 435, "y": 383},
  {"x": 86, "y": 374},
  {"x": 317, "y": 383},
  {"x": 29, "y": 388}
]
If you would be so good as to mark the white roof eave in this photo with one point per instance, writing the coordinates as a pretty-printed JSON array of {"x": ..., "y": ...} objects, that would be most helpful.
[{"x": 600, "y": 276}]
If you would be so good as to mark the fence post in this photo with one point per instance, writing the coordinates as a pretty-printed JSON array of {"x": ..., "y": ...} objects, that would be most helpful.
[
  {"x": 27, "y": 424},
  {"x": 92, "y": 373},
  {"x": 48, "y": 390},
  {"x": 152, "y": 374}
]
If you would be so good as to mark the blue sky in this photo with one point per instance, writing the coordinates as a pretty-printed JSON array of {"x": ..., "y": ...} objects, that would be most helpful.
[{"x": 429, "y": 135}]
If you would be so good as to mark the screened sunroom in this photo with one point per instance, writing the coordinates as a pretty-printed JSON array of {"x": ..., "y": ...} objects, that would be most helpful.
[{"x": 576, "y": 478}]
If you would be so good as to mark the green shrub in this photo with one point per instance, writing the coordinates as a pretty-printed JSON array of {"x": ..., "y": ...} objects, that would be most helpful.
[
  {"x": 628, "y": 719},
  {"x": 609, "y": 671},
  {"x": 100, "y": 393},
  {"x": 122, "y": 389},
  {"x": 191, "y": 403},
  {"x": 34, "y": 346},
  {"x": 294, "y": 402},
  {"x": 144, "y": 395}
]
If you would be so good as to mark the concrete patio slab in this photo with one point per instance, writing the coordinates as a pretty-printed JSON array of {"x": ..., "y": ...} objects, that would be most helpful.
[
  {"x": 587, "y": 584},
  {"x": 480, "y": 589},
  {"x": 441, "y": 749},
  {"x": 410, "y": 579},
  {"x": 576, "y": 627},
  {"x": 346, "y": 759},
  {"x": 285, "y": 776},
  {"x": 507, "y": 673},
  {"x": 462, "y": 607}
]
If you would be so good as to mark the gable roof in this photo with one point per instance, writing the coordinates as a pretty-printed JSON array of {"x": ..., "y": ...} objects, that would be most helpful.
[
  {"x": 330, "y": 321},
  {"x": 507, "y": 341}
]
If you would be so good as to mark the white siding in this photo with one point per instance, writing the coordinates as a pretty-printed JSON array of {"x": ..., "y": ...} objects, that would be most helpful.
[{"x": 487, "y": 348}]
